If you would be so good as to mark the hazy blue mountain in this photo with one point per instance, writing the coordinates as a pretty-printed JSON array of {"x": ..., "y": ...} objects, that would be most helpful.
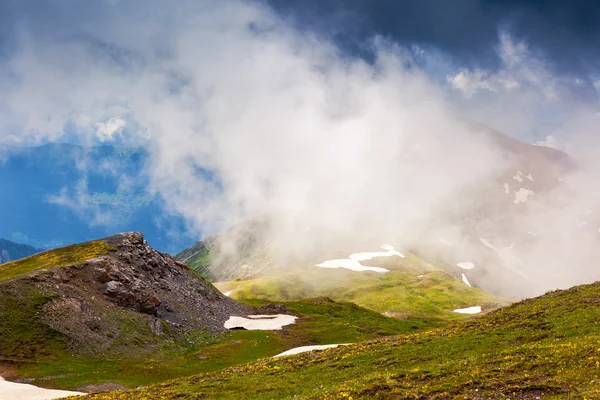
[
  {"x": 10, "y": 251},
  {"x": 58, "y": 194}
]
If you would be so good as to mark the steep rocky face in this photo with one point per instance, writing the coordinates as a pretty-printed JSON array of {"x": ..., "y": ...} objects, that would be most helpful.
[
  {"x": 99, "y": 304},
  {"x": 10, "y": 251}
]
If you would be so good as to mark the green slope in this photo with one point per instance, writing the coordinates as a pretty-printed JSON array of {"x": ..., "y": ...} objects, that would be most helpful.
[
  {"x": 547, "y": 347},
  {"x": 153, "y": 359},
  {"x": 412, "y": 288},
  {"x": 53, "y": 258}
]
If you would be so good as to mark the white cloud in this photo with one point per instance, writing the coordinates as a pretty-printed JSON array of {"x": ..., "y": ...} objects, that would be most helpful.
[
  {"x": 244, "y": 115},
  {"x": 105, "y": 131},
  {"x": 548, "y": 141}
]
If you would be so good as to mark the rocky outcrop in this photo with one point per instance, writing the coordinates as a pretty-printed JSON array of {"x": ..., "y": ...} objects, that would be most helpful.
[{"x": 130, "y": 291}]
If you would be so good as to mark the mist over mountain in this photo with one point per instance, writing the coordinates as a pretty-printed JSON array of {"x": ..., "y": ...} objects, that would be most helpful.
[{"x": 58, "y": 194}]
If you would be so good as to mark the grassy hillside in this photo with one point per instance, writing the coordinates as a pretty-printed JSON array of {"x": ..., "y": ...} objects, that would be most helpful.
[
  {"x": 547, "y": 347},
  {"x": 142, "y": 358},
  {"x": 53, "y": 258},
  {"x": 61, "y": 326},
  {"x": 412, "y": 288}
]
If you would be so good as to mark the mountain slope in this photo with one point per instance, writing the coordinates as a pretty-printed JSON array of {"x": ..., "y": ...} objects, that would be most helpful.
[
  {"x": 10, "y": 251},
  {"x": 411, "y": 288},
  {"x": 110, "y": 298},
  {"x": 500, "y": 222},
  {"x": 117, "y": 312},
  {"x": 546, "y": 347}
]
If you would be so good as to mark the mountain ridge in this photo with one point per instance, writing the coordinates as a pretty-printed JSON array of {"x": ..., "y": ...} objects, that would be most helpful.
[{"x": 10, "y": 251}]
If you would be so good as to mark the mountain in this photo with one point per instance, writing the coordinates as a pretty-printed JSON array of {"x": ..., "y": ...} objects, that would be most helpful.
[
  {"x": 110, "y": 298},
  {"x": 545, "y": 347},
  {"x": 58, "y": 194},
  {"x": 115, "y": 313},
  {"x": 497, "y": 225},
  {"x": 13, "y": 251}
]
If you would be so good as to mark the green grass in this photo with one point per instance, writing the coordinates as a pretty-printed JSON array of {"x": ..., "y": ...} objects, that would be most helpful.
[
  {"x": 21, "y": 333},
  {"x": 138, "y": 357},
  {"x": 412, "y": 289},
  {"x": 53, "y": 258},
  {"x": 548, "y": 347}
]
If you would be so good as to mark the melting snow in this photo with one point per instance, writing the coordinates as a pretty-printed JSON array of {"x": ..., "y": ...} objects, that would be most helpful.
[
  {"x": 22, "y": 391},
  {"x": 522, "y": 195},
  {"x": 304, "y": 349},
  {"x": 466, "y": 265},
  {"x": 468, "y": 310},
  {"x": 465, "y": 280},
  {"x": 487, "y": 244},
  {"x": 517, "y": 177},
  {"x": 260, "y": 322},
  {"x": 353, "y": 260},
  {"x": 368, "y": 256},
  {"x": 228, "y": 293},
  {"x": 350, "y": 264}
]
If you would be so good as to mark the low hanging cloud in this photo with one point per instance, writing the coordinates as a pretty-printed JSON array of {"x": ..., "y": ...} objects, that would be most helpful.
[
  {"x": 245, "y": 116},
  {"x": 106, "y": 131}
]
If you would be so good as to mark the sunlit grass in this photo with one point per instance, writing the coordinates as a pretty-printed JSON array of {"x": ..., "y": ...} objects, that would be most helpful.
[
  {"x": 53, "y": 258},
  {"x": 546, "y": 348}
]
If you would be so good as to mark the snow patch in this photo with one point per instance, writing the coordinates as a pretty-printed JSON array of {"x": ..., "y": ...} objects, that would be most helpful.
[
  {"x": 228, "y": 293},
  {"x": 486, "y": 243},
  {"x": 353, "y": 260},
  {"x": 304, "y": 349},
  {"x": 260, "y": 322},
  {"x": 522, "y": 195},
  {"x": 506, "y": 188},
  {"x": 468, "y": 310},
  {"x": 529, "y": 177},
  {"x": 352, "y": 265},
  {"x": 368, "y": 256},
  {"x": 22, "y": 391},
  {"x": 465, "y": 280},
  {"x": 517, "y": 177},
  {"x": 466, "y": 265}
]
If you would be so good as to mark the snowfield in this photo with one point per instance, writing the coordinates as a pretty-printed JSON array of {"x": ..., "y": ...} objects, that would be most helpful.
[
  {"x": 522, "y": 196},
  {"x": 22, "y": 391},
  {"x": 465, "y": 280},
  {"x": 353, "y": 261},
  {"x": 466, "y": 265},
  {"x": 468, "y": 310},
  {"x": 260, "y": 322},
  {"x": 304, "y": 349},
  {"x": 350, "y": 264}
]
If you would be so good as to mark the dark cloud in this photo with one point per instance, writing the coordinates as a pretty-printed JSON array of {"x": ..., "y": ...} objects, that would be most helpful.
[{"x": 565, "y": 32}]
